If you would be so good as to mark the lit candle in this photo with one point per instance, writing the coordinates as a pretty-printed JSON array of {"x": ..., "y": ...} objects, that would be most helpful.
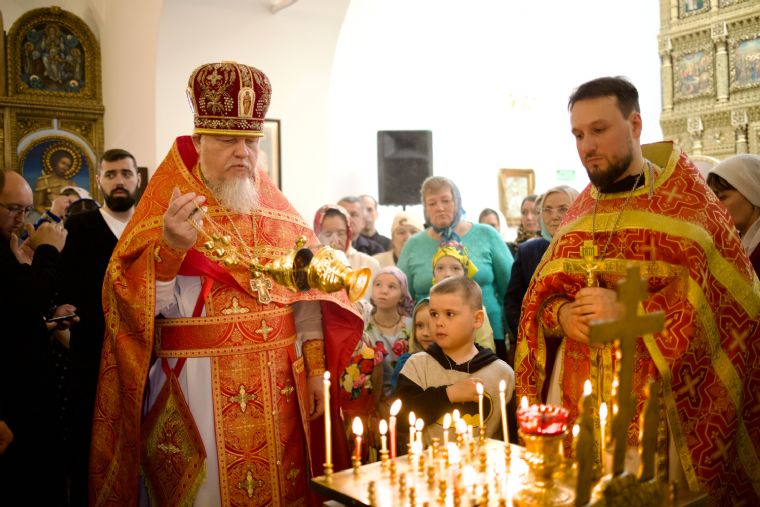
[
  {"x": 603, "y": 425},
  {"x": 395, "y": 408},
  {"x": 383, "y": 438},
  {"x": 587, "y": 389},
  {"x": 412, "y": 420},
  {"x": 455, "y": 416},
  {"x": 328, "y": 445},
  {"x": 418, "y": 425},
  {"x": 454, "y": 455},
  {"x": 358, "y": 429},
  {"x": 479, "y": 389},
  {"x": 446, "y": 426},
  {"x": 576, "y": 431},
  {"x": 503, "y": 400},
  {"x": 524, "y": 402}
]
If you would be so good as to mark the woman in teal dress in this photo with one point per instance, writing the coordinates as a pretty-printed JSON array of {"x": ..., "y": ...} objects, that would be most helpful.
[{"x": 443, "y": 212}]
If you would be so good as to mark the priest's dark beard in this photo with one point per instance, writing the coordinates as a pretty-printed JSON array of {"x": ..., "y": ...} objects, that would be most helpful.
[
  {"x": 603, "y": 179},
  {"x": 121, "y": 202}
]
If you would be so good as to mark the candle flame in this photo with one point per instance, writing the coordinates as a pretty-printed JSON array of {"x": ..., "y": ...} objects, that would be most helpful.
[
  {"x": 603, "y": 411},
  {"x": 502, "y": 386},
  {"x": 524, "y": 402},
  {"x": 357, "y": 427},
  {"x": 412, "y": 418},
  {"x": 455, "y": 415},
  {"x": 469, "y": 476},
  {"x": 614, "y": 409},
  {"x": 587, "y": 387},
  {"x": 419, "y": 424},
  {"x": 396, "y": 408},
  {"x": 383, "y": 427},
  {"x": 453, "y": 451},
  {"x": 447, "y": 421},
  {"x": 576, "y": 430},
  {"x": 461, "y": 426},
  {"x": 327, "y": 376},
  {"x": 479, "y": 388}
]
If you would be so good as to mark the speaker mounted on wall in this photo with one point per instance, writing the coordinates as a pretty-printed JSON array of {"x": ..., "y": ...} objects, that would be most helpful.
[{"x": 404, "y": 160}]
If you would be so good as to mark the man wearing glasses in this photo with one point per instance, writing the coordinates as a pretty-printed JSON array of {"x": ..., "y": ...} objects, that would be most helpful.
[{"x": 26, "y": 401}]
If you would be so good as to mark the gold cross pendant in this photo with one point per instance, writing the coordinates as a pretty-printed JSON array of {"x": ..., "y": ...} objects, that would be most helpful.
[
  {"x": 261, "y": 285},
  {"x": 589, "y": 252}
]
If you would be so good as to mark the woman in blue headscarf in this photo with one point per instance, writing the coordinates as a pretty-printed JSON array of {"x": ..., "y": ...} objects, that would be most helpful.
[{"x": 444, "y": 216}]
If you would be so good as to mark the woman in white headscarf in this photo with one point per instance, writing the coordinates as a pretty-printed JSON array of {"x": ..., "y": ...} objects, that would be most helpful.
[{"x": 736, "y": 182}]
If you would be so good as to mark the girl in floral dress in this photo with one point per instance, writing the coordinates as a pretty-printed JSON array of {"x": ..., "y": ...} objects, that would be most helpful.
[{"x": 389, "y": 326}]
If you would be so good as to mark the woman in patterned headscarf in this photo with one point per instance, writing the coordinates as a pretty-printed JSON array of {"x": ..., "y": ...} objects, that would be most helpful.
[
  {"x": 443, "y": 212},
  {"x": 332, "y": 225}
]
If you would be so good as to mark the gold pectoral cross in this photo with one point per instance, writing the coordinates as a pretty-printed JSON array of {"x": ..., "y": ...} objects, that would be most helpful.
[
  {"x": 261, "y": 286},
  {"x": 589, "y": 252}
]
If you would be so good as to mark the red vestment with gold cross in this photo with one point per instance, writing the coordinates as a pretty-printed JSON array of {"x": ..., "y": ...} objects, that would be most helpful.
[
  {"x": 708, "y": 355},
  {"x": 258, "y": 383}
]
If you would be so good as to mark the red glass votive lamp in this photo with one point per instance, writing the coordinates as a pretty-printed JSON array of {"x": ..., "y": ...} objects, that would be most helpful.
[{"x": 543, "y": 420}]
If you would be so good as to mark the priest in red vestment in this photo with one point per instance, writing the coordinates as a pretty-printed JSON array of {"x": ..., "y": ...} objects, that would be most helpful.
[
  {"x": 648, "y": 206},
  {"x": 210, "y": 373}
]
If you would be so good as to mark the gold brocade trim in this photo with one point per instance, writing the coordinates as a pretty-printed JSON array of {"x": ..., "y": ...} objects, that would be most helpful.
[
  {"x": 660, "y": 269},
  {"x": 223, "y": 132},
  {"x": 522, "y": 351},
  {"x": 222, "y": 319},
  {"x": 314, "y": 357},
  {"x": 722, "y": 269},
  {"x": 226, "y": 351},
  {"x": 730, "y": 379},
  {"x": 672, "y": 412}
]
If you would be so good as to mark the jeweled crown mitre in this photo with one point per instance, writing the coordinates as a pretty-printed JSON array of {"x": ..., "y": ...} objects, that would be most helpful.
[{"x": 229, "y": 98}]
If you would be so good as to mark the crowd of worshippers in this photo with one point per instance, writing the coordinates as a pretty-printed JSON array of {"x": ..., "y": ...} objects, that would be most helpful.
[{"x": 445, "y": 309}]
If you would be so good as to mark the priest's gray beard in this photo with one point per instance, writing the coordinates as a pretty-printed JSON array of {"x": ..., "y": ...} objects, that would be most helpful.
[{"x": 236, "y": 194}]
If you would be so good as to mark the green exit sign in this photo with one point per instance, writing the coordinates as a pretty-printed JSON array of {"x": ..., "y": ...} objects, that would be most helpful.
[{"x": 566, "y": 174}]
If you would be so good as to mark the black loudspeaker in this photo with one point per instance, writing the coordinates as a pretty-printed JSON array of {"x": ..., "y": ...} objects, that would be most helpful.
[{"x": 404, "y": 160}]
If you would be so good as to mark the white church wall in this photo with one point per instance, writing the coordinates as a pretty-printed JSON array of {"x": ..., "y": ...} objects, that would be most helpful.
[
  {"x": 128, "y": 41},
  {"x": 490, "y": 78}
]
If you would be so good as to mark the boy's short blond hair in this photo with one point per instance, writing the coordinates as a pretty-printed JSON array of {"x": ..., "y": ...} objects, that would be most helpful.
[{"x": 469, "y": 290}]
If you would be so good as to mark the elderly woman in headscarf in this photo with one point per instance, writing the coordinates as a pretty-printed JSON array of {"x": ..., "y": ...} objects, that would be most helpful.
[
  {"x": 443, "y": 212},
  {"x": 551, "y": 207},
  {"x": 736, "y": 183},
  {"x": 332, "y": 225}
]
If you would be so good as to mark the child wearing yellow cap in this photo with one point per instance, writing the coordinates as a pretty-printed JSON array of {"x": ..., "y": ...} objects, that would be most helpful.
[{"x": 451, "y": 259}]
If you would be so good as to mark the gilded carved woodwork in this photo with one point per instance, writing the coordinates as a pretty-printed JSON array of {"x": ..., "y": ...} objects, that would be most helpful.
[
  {"x": 710, "y": 75},
  {"x": 53, "y": 99}
]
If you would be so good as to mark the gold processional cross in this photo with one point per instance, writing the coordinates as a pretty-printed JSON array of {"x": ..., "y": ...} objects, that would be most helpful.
[{"x": 632, "y": 325}]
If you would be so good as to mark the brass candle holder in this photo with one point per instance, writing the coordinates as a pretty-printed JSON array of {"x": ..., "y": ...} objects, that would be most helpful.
[{"x": 543, "y": 455}]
